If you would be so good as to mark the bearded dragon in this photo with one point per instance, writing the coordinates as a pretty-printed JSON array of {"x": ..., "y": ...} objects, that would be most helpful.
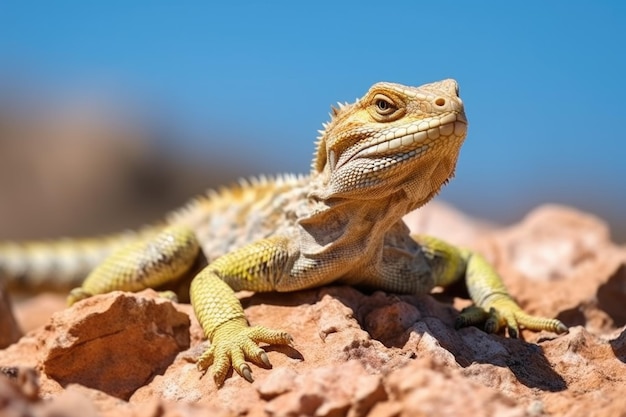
[{"x": 377, "y": 159}]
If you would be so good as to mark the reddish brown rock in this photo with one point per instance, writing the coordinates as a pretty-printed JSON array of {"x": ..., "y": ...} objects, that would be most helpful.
[
  {"x": 9, "y": 329},
  {"x": 326, "y": 392},
  {"x": 429, "y": 388},
  {"x": 21, "y": 381},
  {"x": 36, "y": 310},
  {"x": 556, "y": 260},
  {"x": 380, "y": 354},
  {"x": 116, "y": 344}
]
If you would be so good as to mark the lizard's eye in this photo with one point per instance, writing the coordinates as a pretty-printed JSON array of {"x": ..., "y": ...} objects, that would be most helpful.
[{"x": 384, "y": 106}]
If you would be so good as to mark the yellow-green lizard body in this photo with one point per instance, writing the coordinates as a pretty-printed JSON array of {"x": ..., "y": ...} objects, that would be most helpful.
[{"x": 377, "y": 159}]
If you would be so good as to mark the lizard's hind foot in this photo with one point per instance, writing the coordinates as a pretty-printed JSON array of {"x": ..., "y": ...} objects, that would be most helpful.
[{"x": 507, "y": 314}]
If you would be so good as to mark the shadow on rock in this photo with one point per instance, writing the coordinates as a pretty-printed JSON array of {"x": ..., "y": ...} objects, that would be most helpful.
[
  {"x": 605, "y": 312},
  {"x": 410, "y": 326},
  {"x": 472, "y": 346},
  {"x": 612, "y": 296},
  {"x": 619, "y": 346}
]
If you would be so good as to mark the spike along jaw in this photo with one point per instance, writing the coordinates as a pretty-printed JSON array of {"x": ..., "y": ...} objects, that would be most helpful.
[{"x": 393, "y": 138}]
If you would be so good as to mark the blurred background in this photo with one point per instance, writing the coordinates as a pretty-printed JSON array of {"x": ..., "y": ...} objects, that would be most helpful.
[{"x": 112, "y": 113}]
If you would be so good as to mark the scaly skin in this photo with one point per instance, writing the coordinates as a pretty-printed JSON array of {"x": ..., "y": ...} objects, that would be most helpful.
[{"x": 377, "y": 159}]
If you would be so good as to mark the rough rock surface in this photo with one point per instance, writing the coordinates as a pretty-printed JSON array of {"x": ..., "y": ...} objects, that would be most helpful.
[
  {"x": 355, "y": 354},
  {"x": 9, "y": 329}
]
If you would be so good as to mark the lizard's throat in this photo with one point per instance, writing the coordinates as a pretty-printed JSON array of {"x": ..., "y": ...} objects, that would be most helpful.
[
  {"x": 339, "y": 223},
  {"x": 418, "y": 178},
  {"x": 425, "y": 182}
]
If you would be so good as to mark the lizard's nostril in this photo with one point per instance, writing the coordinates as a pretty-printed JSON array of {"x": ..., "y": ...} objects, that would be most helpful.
[{"x": 440, "y": 102}]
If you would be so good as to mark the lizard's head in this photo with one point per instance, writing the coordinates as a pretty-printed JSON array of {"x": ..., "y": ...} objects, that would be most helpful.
[{"x": 395, "y": 138}]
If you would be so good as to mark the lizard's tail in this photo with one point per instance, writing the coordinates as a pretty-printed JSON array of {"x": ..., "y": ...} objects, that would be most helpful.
[{"x": 56, "y": 265}]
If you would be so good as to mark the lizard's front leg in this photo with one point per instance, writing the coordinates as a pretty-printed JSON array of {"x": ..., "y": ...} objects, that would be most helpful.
[
  {"x": 148, "y": 262},
  {"x": 493, "y": 305},
  {"x": 254, "y": 267}
]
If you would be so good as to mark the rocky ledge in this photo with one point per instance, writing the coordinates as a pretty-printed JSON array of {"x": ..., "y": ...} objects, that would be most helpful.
[{"x": 355, "y": 354}]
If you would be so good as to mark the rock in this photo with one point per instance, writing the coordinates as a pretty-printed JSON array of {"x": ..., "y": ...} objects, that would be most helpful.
[
  {"x": 114, "y": 343},
  {"x": 35, "y": 311},
  {"x": 117, "y": 344},
  {"x": 427, "y": 387},
  {"x": 557, "y": 260},
  {"x": 9, "y": 329},
  {"x": 23, "y": 382},
  {"x": 358, "y": 354},
  {"x": 326, "y": 392}
]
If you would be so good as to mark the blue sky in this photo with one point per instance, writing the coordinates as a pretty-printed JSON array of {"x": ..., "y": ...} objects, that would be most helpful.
[{"x": 542, "y": 80}]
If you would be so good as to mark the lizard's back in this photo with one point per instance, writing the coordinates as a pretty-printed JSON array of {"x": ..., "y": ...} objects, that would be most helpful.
[{"x": 228, "y": 219}]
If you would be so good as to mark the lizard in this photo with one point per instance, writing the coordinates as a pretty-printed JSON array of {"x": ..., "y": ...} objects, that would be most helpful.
[{"x": 376, "y": 159}]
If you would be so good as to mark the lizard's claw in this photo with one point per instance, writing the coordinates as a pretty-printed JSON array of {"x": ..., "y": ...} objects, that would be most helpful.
[
  {"x": 503, "y": 313},
  {"x": 233, "y": 344}
]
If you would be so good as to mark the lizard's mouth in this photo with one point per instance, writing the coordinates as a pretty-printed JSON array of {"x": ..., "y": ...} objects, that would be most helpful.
[{"x": 402, "y": 143}]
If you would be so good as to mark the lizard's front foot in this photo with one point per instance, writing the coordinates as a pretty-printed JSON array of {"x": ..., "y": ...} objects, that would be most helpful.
[
  {"x": 504, "y": 312},
  {"x": 233, "y": 343}
]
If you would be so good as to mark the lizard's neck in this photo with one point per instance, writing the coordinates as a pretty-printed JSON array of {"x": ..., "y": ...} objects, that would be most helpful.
[{"x": 351, "y": 227}]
